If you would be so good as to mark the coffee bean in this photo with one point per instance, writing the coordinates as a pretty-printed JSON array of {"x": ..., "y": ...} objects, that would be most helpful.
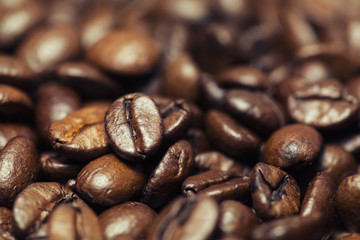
[
  {"x": 347, "y": 203},
  {"x": 81, "y": 134},
  {"x": 16, "y": 73},
  {"x": 87, "y": 80},
  {"x": 9, "y": 131},
  {"x": 166, "y": 179},
  {"x": 230, "y": 137},
  {"x": 77, "y": 221},
  {"x": 6, "y": 223},
  {"x": 184, "y": 219},
  {"x": 182, "y": 78},
  {"x": 35, "y": 203},
  {"x": 212, "y": 95},
  {"x": 198, "y": 140},
  {"x": 326, "y": 106},
  {"x": 138, "y": 217},
  {"x": 351, "y": 143},
  {"x": 217, "y": 161},
  {"x": 109, "y": 180},
  {"x": 25, "y": 17},
  {"x": 134, "y": 127},
  {"x": 236, "y": 219},
  {"x": 54, "y": 103},
  {"x": 56, "y": 167},
  {"x": 19, "y": 166},
  {"x": 112, "y": 53},
  {"x": 353, "y": 236},
  {"x": 46, "y": 47},
  {"x": 336, "y": 162},
  {"x": 292, "y": 146},
  {"x": 14, "y": 103},
  {"x": 255, "y": 109},
  {"x": 275, "y": 194}
]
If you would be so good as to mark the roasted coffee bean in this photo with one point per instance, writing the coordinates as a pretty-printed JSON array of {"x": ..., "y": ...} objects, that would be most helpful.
[
  {"x": 112, "y": 52},
  {"x": 320, "y": 197},
  {"x": 46, "y": 47},
  {"x": 312, "y": 71},
  {"x": 134, "y": 127},
  {"x": 74, "y": 221},
  {"x": 35, "y": 203},
  {"x": 244, "y": 78},
  {"x": 182, "y": 78},
  {"x": 293, "y": 227},
  {"x": 54, "y": 103},
  {"x": 19, "y": 166},
  {"x": 217, "y": 161},
  {"x": 81, "y": 134},
  {"x": 256, "y": 110},
  {"x": 56, "y": 167},
  {"x": 14, "y": 103},
  {"x": 198, "y": 140},
  {"x": 275, "y": 194},
  {"x": 184, "y": 219},
  {"x": 6, "y": 224},
  {"x": 326, "y": 106},
  {"x": 16, "y": 73},
  {"x": 109, "y": 180},
  {"x": 336, "y": 162},
  {"x": 166, "y": 179},
  {"x": 87, "y": 80},
  {"x": 16, "y": 22},
  {"x": 236, "y": 219},
  {"x": 353, "y": 236},
  {"x": 230, "y": 137},
  {"x": 176, "y": 117},
  {"x": 354, "y": 86},
  {"x": 9, "y": 131},
  {"x": 211, "y": 93},
  {"x": 292, "y": 146},
  {"x": 136, "y": 216},
  {"x": 347, "y": 202}
]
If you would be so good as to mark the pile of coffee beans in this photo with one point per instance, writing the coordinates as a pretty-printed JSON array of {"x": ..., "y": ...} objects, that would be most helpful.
[{"x": 179, "y": 119}]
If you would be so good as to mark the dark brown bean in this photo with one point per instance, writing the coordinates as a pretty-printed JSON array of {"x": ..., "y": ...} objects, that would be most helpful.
[
  {"x": 19, "y": 166},
  {"x": 81, "y": 134},
  {"x": 198, "y": 140},
  {"x": 14, "y": 103},
  {"x": 134, "y": 127},
  {"x": 9, "y": 131},
  {"x": 166, "y": 179},
  {"x": 6, "y": 223},
  {"x": 230, "y": 137},
  {"x": 275, "y": 194},
  {"x": 112, "y": 52},
  {"x": 211, "y": 93},
  {"x": 136, "y": 216},
  {"x": 109, "y": 180},
  {"x": 292, "y": 146}
]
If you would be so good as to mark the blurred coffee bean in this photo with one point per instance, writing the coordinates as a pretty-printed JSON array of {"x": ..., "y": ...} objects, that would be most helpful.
[
  {"x": 54, "y": 103},
  {"x": 16, "y": 73},
  {"x": 81, "y": 134},
  {"x": 134, "y": 127},
  {"x": 326, "y": 106},
  {"x": 211, "y": 93},
  {"x": 353, "y": 236},
  {"x": 275, "y": 194},
  {"x": 230, "y": 137},
  {"x": 6, "y": 223},
  {"x": 9, "y": 131},
  {"x": 46, "y": 47},
  {"x": 351, "y": 143},
  {"x": 56, "y": 167},
  {"x": 19, "y": 166},
  {"x": 255, "y": 109},
  {"x": 112, "y": 53},
  {"x": 182, "y": 78},
  {"x": 292, "y": 146},
  {"x": 217, "y": 161},
  {"x": 87, "y": 80},
  {"x": 198, "y": 140},
  {"x": 109, "y": 180},
  {"x": 354, "y": 86},
  {"x": 236, "y": 219},
  {"x": 184, "y": 219},
  {"x": 35, "y": 203},
  {"x": 14, "y": 103},
  {"x": 166, "y": 179},
  {"x": 336, "y": 162},
  {"x": 347, "y": 203},
  {"x": 138, "y": 217},
  {"x": 16, "y": 22},
  {"x": 74, "y": 221}
]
